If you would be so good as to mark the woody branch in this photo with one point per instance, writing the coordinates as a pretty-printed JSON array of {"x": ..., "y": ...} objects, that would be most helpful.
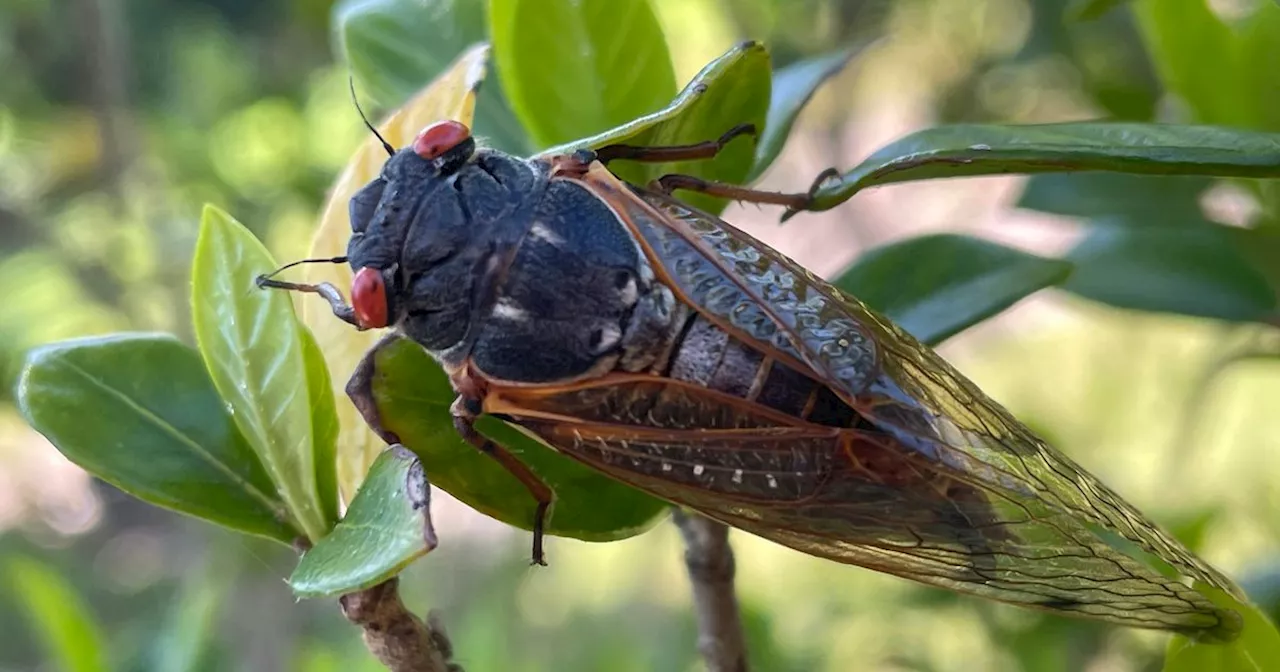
[{"x": 710, "y": 563}]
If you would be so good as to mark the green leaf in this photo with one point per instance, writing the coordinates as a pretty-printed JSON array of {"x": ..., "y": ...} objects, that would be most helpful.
[
  {"x": 575, "y": 67},
  {"x": 793, "y": 86},
  {"x": 324, "y": 425},
  {"x": 139, "y": 412},
  {"x": 1189, "y": 271},
  {"x": 936, "y": 286},
  {"x": 387, "y": 527},
  {"x": 1260, "y": 61},
  {"x": 731, "y": 90},
  {"x": 413, "y": 395},
  {"x": 59, "y": 617},
  {"x": 1257, "y": 649},
  {"x": 978, "y": 149},
  {"x": 252, "y": 345},
  {"x": 1197, "y": 57},
  {"x": 396, "y": 47},
  {"x": 1138, "y": 199}
]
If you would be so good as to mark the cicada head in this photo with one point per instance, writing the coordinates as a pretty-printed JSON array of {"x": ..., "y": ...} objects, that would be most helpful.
[{"x": 426, "y": 232}]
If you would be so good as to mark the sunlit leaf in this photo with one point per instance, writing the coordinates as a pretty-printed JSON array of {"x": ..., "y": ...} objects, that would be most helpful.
[
  {"x": 731, "y": 90},
  {"x": 572, "y": 68},
  {"x": 1257, "y": 649},
  {"x": 396, "y": 47},
  {"x": 1260, "y": 60},
  {"x": 58, "y": 616},
  {"x": 1153, "y": 149},
  {"x": 387, "y": 526},
  {"x": 937, "y": 286},
  {"x": 1190, "y": 271},
  {"x": 324, "y": 425},
  {"x": 139, "y": 411},
  {"x": 793, "y": 86},
  {"x": 1196, "y": 55},
  {"x": 251, "y": 344},
  {"x": 451, "y": 96},
  {"x": 413, "y": 397}
]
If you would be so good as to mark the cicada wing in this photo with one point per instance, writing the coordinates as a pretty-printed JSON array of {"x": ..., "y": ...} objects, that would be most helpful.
[
  {"x": 856, "y": 497},
  {"x": 896, "y": 383}
]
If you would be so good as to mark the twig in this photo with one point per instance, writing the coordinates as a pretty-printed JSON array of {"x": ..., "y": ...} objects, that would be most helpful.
[
  {"x": 710, "y": 561},
  {"x": 399, "y": 639}
]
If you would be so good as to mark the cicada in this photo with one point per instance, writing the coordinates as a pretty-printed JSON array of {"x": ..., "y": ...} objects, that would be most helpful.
[{"x": 667, "y": 349}]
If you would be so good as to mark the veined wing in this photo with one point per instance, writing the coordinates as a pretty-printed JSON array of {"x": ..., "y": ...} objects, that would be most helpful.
[
  {"x": 897, "y": 383},
  {"x": 856, "y": 497}
]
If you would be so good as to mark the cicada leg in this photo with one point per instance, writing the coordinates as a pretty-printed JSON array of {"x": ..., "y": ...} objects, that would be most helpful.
[
  {"x": 465, "y": 410},
  {"x": 464, "y": 422},
  {"x": 696, "y": 151},
  {"x": 794, "y": 202}
]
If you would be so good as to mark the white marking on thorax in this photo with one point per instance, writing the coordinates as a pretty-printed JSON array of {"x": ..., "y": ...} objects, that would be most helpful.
[
  {"x": 507, "y": 309},
  {"x": 540, "y": 231}
]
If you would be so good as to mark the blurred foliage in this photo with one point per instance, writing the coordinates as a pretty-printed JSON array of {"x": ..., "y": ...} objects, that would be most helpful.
[{"x": 118, "y": 120}]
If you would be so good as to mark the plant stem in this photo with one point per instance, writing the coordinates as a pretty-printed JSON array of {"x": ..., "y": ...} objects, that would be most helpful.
[
  {"x": 710, "y": 562},
  {"x": 394, "y": 635}
]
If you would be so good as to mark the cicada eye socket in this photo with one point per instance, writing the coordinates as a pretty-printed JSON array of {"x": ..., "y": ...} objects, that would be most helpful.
[
  {"x": 440, "y": 138},
  {"x": 369, "y": 298}
]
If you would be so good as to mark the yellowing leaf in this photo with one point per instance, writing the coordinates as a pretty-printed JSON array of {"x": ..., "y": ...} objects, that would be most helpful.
[{"x": 451, "y": 96}]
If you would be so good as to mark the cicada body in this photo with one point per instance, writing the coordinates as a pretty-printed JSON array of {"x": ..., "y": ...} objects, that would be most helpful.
[{"x": 667, "y": 349}]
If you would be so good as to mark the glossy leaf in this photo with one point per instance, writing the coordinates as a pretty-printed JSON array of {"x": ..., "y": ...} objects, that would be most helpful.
[
  {"x": 733, "y": 89},
  {"x": 1190, "y": 271},
  {"x": 1153, "y": 149},
  {"x": 1257, "y": 649},
  {"x": 58, "y": 617},
  {"x": 396, "y": 47},
  {"x": 793, "y": 86},
  {"x": 413, "y": 398},
  {"x": 387, "y": 526},
  {"x": 937, "y": 286},
  {"x": 451, "y": 96},
  {"x": 251, "y": 344},
  {"x": 576, "y": 67},
  {"x": 1137, "y": 200},
  {"x": 165, "y": 438},
  {"x": 324, "y": 425}
]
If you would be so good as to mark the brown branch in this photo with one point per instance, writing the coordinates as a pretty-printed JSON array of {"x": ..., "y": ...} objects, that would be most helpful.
[
  {"x": 393, "y": 634},
  {"x": 710, "y": 562}
]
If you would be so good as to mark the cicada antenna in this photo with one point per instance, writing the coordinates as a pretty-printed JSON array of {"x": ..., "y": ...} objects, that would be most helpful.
[
  {"x": 351, "y": 82},
  {"x": 327, "y": 291},
  {"x": 326, "y": 260}
]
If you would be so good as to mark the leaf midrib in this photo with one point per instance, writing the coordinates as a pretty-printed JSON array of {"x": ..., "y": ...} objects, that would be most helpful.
[{"x": 280, "y": 512}]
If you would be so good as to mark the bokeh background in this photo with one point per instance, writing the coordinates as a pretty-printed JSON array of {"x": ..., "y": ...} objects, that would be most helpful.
[{"x": 120, "y": 119}]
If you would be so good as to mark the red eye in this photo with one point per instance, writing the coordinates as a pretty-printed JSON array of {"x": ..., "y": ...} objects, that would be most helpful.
[
  {"x": 439, "y": 138},
  {"x": 369, "y": 298}
]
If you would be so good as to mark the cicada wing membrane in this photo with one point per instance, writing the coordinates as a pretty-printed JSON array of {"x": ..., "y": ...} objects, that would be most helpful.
[{"x": 1008, "y": 517}]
